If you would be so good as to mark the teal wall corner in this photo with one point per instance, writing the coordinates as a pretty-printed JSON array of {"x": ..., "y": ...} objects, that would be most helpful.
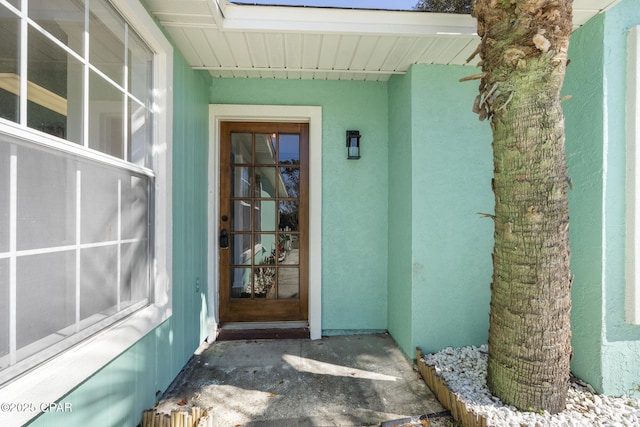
[
  {"x": 449, "y": 244},
  {"x": 399, "y": 280},
  {"x": 584, "y": 149},
  {"x": 354, "y": 192},
  {"x": 190, "y": 210},
  {"x": 117, "y": 394}
]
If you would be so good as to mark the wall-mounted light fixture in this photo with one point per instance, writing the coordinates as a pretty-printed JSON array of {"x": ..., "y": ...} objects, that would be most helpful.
[{"x": 353, "y": 144}]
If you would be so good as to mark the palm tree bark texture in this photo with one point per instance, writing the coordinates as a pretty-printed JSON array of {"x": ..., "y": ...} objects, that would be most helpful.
[{"x": 523, "y": 55}]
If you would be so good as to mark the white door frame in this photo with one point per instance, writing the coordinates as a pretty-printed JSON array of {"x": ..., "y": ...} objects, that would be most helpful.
[{"x": 268, "y": 113}]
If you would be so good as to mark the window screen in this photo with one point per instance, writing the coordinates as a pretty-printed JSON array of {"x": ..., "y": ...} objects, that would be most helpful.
[{"x": 81, "y": 246}]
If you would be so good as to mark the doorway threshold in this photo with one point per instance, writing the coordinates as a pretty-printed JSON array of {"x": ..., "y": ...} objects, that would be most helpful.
[{"x": 233, "y": 331}]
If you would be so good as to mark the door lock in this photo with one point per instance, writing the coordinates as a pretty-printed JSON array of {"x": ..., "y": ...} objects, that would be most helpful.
[{"x": 224, "y": 239}]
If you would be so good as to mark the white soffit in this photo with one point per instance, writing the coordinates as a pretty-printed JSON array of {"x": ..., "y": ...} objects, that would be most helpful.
[{"x": 241, "y": 40}]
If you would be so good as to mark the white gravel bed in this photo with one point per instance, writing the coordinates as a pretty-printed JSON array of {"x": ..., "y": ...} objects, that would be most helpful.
[{"x": 464, "y": 370}]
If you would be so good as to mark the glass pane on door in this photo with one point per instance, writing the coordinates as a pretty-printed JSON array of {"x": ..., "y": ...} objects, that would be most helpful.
[
  {"x": 241, "y": 181},
  {"x": 265, "y": 215},
  {"x": 290, "y": 182},
  {"x": 240, "y": 282},
  {"x": 241, "y": 249},
  {"x": 241, "y": 215},
  {"x": 288, "y": 283},
  {"x": 265, "y": 149},
  {"x": 241, "y": 148},
  {"x": 288, "y": 216},
  {"x": 289, "y": 149}
]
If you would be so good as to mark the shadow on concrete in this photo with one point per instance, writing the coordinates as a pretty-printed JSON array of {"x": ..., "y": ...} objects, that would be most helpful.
[{"x": 352, "y": 380}]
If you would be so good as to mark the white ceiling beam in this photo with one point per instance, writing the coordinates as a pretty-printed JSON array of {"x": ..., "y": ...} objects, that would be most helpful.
[
  {"x": 345, "y": 21},
  {"x": 304, "y": 70}
]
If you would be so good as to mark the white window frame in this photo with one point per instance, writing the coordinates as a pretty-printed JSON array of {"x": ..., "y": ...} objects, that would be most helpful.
[
  {"x": 632, "y": 297},
  {"x": 55, "y": 378}
]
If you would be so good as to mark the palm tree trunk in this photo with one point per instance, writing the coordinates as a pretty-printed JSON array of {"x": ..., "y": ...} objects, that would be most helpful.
[{"x": 523, "y": 52}]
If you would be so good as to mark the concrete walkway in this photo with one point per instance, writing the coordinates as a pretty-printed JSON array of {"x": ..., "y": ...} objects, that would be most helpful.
[{"x": 357, "y": 380}]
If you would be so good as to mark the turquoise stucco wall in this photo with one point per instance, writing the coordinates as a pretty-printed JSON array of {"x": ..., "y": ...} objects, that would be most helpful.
[
  {"x": 606, "y": 348},
  {"x": 354, "y": 192},
  {"x": 117, "y": 395},
  {"x": 452, "y": 244},
  {"x": 441, "y": 267},
  {"x": 584, "y": 135}
]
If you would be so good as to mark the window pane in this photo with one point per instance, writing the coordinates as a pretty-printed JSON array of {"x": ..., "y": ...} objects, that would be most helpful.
[
  {"x": 135, "y": 207},
  {"x": 139, "y": 134},
  {"x": 265, "y": 182},
  {"x": 134, "y": 280},
  {"x": 54, "y": 90},
  {"x": 288, "y": 249},
  {"x": 288, "y": 216},
  {"x": 241, "y": 148},
  {"x": 45, "y": 300},
  {"x": 264, "y": 280},
  {"x": 106, "y": 40},
  {"x": 106, "y": 113},
  {"x": 240, "y": 282},
  {"x": 241, "y": 215},
  {"x": 265, "y": 148},
  {"x": 241, "y": 184},
  {"x": 288, "y": 283},
  {"x": 46, "y": 199},
  {"x": 140, "y": 61},
  {"x": 290, "y": 181},
  {"x": 99, "y": 204},
  {"x": 265, "y": 216},
  {"x": 4, "y": 196},
  {"x": 265, "y": 250},
  {"x": 241, "y": 249},
  {"x": 64, "y": 19},
  {"x": 4, "y": 312},
  {"x": 9, "y": 63},
  {"x": 289, "y": 149},
  {"x": 98, "y": 283}
]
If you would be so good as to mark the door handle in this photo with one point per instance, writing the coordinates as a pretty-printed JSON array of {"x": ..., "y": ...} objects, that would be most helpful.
[{"x": 224, "y": 239}]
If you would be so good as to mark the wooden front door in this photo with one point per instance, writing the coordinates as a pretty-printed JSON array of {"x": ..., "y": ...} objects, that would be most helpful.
[{"x": 263, "y": 221}]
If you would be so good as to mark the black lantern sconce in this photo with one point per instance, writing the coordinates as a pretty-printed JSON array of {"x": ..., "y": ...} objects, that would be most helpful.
[{"x": 353, "y": 144}]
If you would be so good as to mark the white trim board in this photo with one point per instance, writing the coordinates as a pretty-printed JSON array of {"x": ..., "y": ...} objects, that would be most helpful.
[
  {"x": 632, "y": 297},
  {"x": 269, "y": 113}
]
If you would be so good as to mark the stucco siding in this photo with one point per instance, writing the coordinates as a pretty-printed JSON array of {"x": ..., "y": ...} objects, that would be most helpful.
[
  {"x": 452, "y": 243},
  {"x": 354, "y": 192},
  {"x": 584, "y": 148},
  {"x": 400, "y": 212}
]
